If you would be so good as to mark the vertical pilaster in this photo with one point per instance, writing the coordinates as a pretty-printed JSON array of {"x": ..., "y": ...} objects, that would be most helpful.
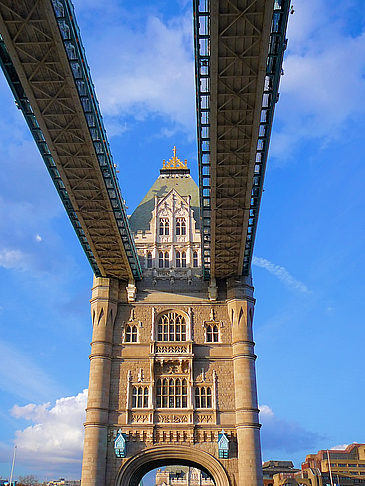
[
  {"x": 240, "y": 303},
  {"x": 103, "y": 312}
]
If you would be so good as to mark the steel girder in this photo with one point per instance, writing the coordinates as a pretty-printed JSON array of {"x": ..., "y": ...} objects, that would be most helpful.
[
  {"x": 239, "y": 46},
  {"x": 44, "y": 62}
]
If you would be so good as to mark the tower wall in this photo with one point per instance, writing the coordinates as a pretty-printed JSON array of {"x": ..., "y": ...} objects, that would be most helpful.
[{"x": 118, "y": 366}]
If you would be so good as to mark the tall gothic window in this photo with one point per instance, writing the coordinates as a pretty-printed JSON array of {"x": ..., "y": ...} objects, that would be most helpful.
[
  {"x": 212, "y": 333},
  {"x": 195, "y": 259},
  {"x": 180, "y": 226},
  {"x": 164, "y": 226},
  {"x": 140, "y": 397},
  {"x": 172, "y": 393},
  {"x": 171, "y": 327},
  {"x": 180, "y": 259},
  {"x": 149, "y": 259},
  {"x": 131, "y": 333},
  {"x": 203, "y": 397},
  {"x": 163, "y": 259}
]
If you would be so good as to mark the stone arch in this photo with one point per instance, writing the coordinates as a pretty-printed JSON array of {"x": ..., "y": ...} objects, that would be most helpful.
[{"x": 131, "y": 473}]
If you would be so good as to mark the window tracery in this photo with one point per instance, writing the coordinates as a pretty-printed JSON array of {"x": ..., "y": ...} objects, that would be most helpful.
[
  {"x": 131, "y": 333},
  {"x": 211, "y": 333},
  {"x": 180, "y": 259},
  {"x": 203, "y": 397},
  {"x": 140, "y": 397},
  {"x": 164, "y": 227},
  {"x": 180, "y": 227},
  {"x": 163, "y": 259},
  {"x": 171, "y": 327},
  {"x": 195, "y": 259},
  {"x": 172, "y": 393}
]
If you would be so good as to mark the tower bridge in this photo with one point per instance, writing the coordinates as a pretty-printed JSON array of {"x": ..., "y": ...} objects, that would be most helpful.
[{"x": 172, "y": 365}]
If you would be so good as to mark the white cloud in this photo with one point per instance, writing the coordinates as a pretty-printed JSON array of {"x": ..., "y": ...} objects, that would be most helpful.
[
  {"x": 266, "y": 411},
  {"x": 38, "y": 238},
  {"x": 340, "y": 447},
  {"x": 13, "y": 259},
  {"x": 281, "y": 273},
  {"x": 152, "y": 74},
  {"x": 56, "y": 435},
  {"x": 323, "y": 79}
]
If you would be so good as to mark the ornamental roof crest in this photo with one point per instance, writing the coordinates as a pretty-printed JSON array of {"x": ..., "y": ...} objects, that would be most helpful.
[{"x": 174, "y": 162}]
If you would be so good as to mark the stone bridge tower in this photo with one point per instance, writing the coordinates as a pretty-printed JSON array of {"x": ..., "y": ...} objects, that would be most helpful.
[{"x": 172, "y": 375}]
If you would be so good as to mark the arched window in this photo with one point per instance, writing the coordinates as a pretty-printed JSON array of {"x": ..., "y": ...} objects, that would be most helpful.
[
  {"x": 180, "y": 226},
  {"x": 195, "y": 259},
  {"x": 140, "y": 397},
  {"x": 203, "y": 397},
  {"x": 149, "y": 259},
  {"x": 172, "y": 393},
  {"x": 212, "y": 333},
  {"x": 164, "y": 227},
  {"x": 180, "y": 259},
  {"x": 163, "y": 259},
  {"x": 171, "y": 327},
  {"x": 131, "y": 333}
]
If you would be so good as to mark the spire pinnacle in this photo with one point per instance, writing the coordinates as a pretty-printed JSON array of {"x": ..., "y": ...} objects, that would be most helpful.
[{"x": 174, "y": 162}]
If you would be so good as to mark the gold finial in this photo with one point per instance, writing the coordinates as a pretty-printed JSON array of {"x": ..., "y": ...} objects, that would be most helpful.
[{"x": 174, "y": 162}]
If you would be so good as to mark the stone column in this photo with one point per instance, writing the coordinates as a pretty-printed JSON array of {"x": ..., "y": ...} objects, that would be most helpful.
[
  {"x": 240, "y": 310},
  {"x": 104, "y": 303}
]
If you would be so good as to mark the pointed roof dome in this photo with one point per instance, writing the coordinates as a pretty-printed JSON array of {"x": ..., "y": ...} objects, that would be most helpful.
[{"x": 174, "y": 175}]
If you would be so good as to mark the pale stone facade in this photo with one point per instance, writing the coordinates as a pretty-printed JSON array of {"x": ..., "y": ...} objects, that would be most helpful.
[
  {"x": 182, "y": 476},
  {"x": 172, "y": 362}
]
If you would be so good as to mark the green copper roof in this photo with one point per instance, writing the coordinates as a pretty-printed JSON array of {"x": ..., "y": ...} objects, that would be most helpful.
[{"x": 183, "y": 184}]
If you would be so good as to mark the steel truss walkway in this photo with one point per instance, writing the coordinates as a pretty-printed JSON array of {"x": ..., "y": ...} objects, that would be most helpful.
[
  {"x": 239, "y": 46},
  {"x": 44, "y": 62}
]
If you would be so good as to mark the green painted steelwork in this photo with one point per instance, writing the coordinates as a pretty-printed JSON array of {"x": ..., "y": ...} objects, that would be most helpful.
[
  {"x": 70, "y": 33},
  {"x": 276, "y": 50},
  {"x": 23, "y": 104}
]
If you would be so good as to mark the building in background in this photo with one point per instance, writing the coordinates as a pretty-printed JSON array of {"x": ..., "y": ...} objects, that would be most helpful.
[
  {"x": 269, "y": 468},
  {"x": 348, "y": 462},
  {"x": 64, "y": 482},
  {"x": 328, "y": 468},
  {"x": 182, "y": 476}
]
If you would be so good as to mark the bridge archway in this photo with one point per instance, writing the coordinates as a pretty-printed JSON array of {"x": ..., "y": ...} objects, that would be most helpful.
[{"x": 135, "y": 468}]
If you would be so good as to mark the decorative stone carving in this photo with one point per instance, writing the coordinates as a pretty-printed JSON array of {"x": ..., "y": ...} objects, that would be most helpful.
[
  {"x": 131, "y": 292},
  {"x": 140, "y": 375},
  {"x": 139, "y": 418},
  {"x": 172, "y": 348},
  {"x": 204, "y": 419},
  {"x": 172, "y": 418}
]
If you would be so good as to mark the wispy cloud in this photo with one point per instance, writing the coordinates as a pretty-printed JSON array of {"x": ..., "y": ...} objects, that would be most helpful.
[
  {"x": 323, "y": 79},
  {"x": 282, "y": 435},
  {"x": 13, "y": 259},
  {"x": 22, "y": 377},
  {"x": 281, "y": 273},
  {"x": 152, "y": 75}
]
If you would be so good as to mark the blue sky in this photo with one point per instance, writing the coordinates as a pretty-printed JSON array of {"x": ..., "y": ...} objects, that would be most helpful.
[{"x": 309, "y": 259}]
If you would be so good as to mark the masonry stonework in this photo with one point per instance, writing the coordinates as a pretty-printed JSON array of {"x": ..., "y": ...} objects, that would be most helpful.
[{"x": 173, "y": 367}]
